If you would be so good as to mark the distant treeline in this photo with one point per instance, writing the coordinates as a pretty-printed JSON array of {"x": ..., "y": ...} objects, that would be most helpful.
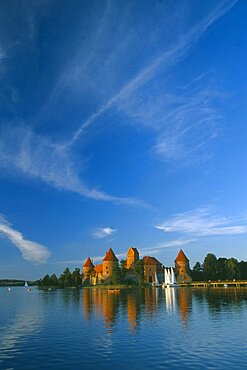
[
  {"x": 66, "y": 279},
  {"x": 214, "y": 268},
  {"x": 11, "y": 282}
]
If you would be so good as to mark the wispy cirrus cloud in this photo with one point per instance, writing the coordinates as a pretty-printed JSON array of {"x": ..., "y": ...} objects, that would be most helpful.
[
  {"x": 183, "y": 124},
  {"x": 202, "y": 222},
  {"x": 31, "y": 251},
  {"x": 103, "y": 232},
  {"x": 37, "y": 157},
  {"x": 159, "y": 247},
  {"x": 152, "y": 250}
]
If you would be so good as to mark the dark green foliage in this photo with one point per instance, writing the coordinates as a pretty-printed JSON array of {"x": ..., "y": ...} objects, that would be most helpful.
[
  {"x": 139, "y": 270},
  {"x": 219, "y": 269},
  {"x": 232, "y": 268},
  {"x": 123, "y": 268},
  {"x": 66, "y": 279},
  {"x": 116, "y": 276},
  {"x": 242, "y": 268},
  {"x": 46, "y": 280},
  {"x": 210, "y": 267},
  {"x": 197, "y": 272},
  {"x": 76, "y": 277},
  {"x": 11, "y": 282},
  {"x": 53, "y": 280}
]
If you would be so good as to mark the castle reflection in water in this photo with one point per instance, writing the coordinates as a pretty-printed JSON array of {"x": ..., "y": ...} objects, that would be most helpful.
[{"x": 148, "y": 302}]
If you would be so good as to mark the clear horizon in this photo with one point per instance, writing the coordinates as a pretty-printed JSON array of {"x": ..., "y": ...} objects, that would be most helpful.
[{"x": 122, "y": 123}]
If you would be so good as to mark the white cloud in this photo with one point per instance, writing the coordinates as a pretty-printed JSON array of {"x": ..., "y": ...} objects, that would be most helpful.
[
  {"x": 36, "y": 156},
  {"x": 31, "y": 251},
  {"x": 159, "y": 248},
  {"x": 191, "y": 122},
  {"x": 201, "y": 222},
  {"x": 104, "y": 232},
  {"x": 183, "y": 124}
]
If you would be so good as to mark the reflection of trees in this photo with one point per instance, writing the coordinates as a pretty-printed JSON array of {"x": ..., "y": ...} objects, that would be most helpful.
[
  {"x": 135, "y": 300},
  {"x": 221, "y": 299}
]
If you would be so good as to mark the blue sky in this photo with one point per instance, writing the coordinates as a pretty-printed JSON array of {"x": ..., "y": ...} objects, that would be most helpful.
[{"x": 122, "y": 123}]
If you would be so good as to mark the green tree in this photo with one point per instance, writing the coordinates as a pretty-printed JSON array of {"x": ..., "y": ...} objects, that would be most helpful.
[
  {"x": 242, "y": 268},
  {"x": 123, "y": 269},
  {"x": 221, "y": 268},
  {"x": 53, "y": 280},
  {"x": 65, "y": 279},
  {"x": 210, "y": 267},
  {"x": 116, "y": 274},
  {"x": 232, "y": 268},
  {"x": 197, "y": 272},
  {"x": 46, "y": 280},
  {"x": 139, "y": 270},
  {"x": 76, "y": 277}
]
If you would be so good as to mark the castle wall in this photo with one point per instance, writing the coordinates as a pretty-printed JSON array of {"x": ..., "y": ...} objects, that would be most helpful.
[{"x": 108, "y": 267}]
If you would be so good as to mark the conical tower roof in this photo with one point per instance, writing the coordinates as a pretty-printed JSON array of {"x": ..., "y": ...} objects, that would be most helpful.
[
  {"x": 181, "y": 257},
  {"x": 88, "y": 263},
  {"x": 110, "y": 256}
]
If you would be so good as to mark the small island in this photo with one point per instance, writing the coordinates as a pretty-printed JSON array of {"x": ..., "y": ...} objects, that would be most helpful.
[{"x": 148, "y": 271}]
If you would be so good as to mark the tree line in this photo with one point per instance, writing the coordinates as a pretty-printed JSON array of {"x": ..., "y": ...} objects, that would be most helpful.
[
  {"x": 214, "y": 268},
  {"x": 65, "y": 280}
]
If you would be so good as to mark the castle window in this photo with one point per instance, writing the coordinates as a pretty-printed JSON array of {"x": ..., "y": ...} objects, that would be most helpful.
[{"x": 150, "y": 269}]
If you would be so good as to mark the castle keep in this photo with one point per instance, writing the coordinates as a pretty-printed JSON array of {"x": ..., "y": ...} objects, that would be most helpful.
[
  {"x": 182, "y": 268},
  {"x": 153, "y": 269}
]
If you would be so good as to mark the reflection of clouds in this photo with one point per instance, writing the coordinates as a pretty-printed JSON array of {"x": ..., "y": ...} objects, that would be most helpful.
[{"x": 25, "y": 323}]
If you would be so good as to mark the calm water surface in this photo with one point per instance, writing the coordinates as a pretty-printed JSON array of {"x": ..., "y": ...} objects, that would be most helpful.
[{"x": 137, "y": 329}]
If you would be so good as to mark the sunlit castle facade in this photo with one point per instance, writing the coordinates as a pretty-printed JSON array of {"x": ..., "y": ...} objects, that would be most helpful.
[
  {"x": 182, "y": 268},
  {"x": 153, "y": 269},
  {"x": 132, "y": 257}
]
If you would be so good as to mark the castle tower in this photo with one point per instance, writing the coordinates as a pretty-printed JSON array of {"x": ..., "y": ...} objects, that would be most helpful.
[
  {"x": 108, "y": 262},
  {"x": 182, "y": 268},
  {"x": 132, "y": 257},
  {"x": 87, "y": 269}
]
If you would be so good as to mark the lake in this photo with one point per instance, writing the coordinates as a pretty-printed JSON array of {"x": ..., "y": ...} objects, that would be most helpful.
[{"x": 146, "y": 328}]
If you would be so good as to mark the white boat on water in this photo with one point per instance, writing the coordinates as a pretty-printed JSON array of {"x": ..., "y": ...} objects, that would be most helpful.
[{"x": 26, "y": 284}]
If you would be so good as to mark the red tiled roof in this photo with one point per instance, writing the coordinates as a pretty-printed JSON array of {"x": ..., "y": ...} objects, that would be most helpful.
[
  {"x": 147, "y": 260},
  {"x": 110, "y": 256},
  {"x": 181, "y": 256},
  {"x": 98, "y": 269},
  {"x": 88, "y": 263}
]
